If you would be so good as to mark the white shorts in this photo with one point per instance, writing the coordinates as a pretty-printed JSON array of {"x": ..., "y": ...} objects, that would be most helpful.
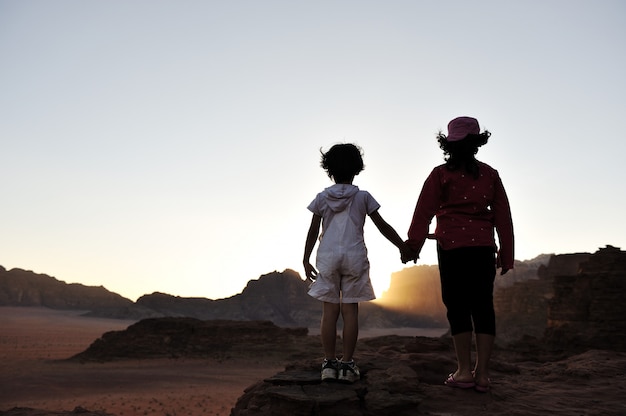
[{"x": 342, "y": 278}]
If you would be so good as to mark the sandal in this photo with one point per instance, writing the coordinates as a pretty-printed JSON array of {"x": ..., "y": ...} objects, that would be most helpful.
[
  {"x": 451, "y": 382},
  {"x": 482, "y": 388}
]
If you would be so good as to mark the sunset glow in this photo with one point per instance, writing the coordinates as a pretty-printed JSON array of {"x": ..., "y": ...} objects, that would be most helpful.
[{"x": 174, "y": 146}]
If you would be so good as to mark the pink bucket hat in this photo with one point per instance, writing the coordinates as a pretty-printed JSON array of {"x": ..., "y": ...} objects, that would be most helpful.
[{"x": 460, "y": 127}]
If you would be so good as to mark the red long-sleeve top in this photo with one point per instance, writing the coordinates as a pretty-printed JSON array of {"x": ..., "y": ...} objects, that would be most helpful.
[{"x": 468, "y": 210}]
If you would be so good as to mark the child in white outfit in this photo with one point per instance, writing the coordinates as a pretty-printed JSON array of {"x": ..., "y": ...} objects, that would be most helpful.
[{"x": 342, "y": 278}]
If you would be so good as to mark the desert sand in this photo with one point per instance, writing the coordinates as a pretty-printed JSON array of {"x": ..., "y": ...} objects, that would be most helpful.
[{"x": 34, "y": 343}]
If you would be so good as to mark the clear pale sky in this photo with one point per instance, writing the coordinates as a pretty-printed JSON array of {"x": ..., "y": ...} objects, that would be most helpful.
[{"x": 173, "y": 146}]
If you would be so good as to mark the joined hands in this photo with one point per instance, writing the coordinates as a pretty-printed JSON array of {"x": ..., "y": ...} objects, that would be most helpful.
[{"x": 407, "y": 254}]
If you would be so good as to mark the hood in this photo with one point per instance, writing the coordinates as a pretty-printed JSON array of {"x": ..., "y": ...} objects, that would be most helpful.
[{"x": 340, "y": 195}]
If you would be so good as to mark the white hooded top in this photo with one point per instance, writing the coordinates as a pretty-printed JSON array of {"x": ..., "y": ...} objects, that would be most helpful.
[{"x": 343, "y": 208}]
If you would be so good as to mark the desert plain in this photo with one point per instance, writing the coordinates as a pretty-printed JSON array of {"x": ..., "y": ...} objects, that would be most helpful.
[{"x": 34, "y": 373}]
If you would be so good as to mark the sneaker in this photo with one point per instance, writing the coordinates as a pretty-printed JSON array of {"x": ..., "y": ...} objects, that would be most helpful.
[
  {"x": 329, "y": 369},
  {"x": 348, "y": 372}
]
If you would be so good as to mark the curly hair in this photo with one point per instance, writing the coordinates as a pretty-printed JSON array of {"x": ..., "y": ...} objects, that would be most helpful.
[
  {"x": 342, "y": 162},
  {"x": 461, "y": 153}
]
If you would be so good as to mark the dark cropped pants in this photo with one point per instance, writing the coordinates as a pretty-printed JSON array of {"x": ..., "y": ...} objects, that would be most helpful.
[{"x": 467, "y": 276}]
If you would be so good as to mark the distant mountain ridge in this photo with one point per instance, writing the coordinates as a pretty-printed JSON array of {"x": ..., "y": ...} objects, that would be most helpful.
[
  {"x": 20, "y": 287},
  {"x": 279, "y": 297},
  {"x": 525, "y": 299}
]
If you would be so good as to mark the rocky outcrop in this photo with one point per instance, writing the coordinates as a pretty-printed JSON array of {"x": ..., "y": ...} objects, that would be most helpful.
[
  {"x": 190, "y": 338},
  {"x": 388, "y": 387},
  {"x": 588, "y": 308},
  {"x": 522, "y": 307},
  {"x": 404, "y": 376},
  {"x": 277, "y": 297},
  {"x": 416, "y": 290}
]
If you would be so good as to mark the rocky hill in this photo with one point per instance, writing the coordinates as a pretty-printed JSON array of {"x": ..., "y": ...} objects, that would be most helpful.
[
  {"x": 273, "y": 297},
  {"x": 522, "y": 307},
  {"x": 192, "y": 338},
  {"x": 587, "y": 309},
  {"x": 280, "y": 298},
  {"x": 20, "y": 287},
  {"x": 416, "y": 290}
]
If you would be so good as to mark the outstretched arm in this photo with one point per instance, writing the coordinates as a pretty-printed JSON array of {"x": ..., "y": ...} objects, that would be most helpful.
[
  {"x": 311, "y": 238},
  {"x": 425, "y": 209},
  {"x": 406, "y": 254}
]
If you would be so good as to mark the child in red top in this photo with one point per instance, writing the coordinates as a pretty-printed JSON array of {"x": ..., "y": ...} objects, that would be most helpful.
[{"x": 469, "y": 201}]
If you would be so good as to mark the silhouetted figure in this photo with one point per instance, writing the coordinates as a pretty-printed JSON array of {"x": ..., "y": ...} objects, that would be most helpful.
[
  {"x": 342, "y": 277},
  {"x": 469, "y": 201}
]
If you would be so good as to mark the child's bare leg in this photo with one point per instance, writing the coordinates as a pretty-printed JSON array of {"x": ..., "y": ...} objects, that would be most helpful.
[
  {"x": 328, "y": 329},
  {"x": 484, "y": 346},
  {"x": 463, "y": 349},
  {"x": 350, "y": 315}
]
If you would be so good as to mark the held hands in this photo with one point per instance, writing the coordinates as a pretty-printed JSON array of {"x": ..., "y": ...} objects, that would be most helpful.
[{"x": 407, "y": 254}]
